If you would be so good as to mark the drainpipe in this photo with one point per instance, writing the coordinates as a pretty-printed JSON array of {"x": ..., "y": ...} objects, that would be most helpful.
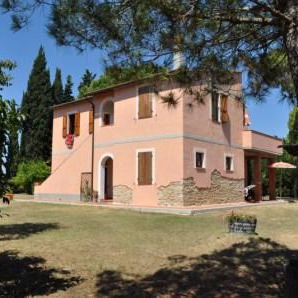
[{"x": 94, "y": 199}]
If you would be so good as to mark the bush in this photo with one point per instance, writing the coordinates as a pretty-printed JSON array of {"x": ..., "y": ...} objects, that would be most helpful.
[
  {"x": 234, "y": 217},
  {"x": 29, "y": 173}
]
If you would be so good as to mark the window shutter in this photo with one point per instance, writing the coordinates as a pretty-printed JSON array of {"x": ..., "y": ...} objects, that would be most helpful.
[
  {"x": 77, "y": 124},
  {"x": 145, "y": 102},
  {"x": 145, "y": 168},
  {"x": 64, "y": 128},
  {"x": 91, "y": 122},
  {"x": 214, "y": 98},
  {"x": 224, "y": 108}
]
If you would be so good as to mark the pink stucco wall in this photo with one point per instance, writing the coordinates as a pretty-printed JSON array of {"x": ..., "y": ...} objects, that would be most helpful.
[
  {"x": 215, "y": 138},
  {"x": 172, "y": 133},
  {"x": 162, "y": 132},
  {"x": 261, "y": 142}
]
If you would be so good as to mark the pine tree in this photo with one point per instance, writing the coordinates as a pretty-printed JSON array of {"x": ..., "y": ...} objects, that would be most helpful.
[
  {"x": 36, "y": 106},
  {"x": 290, "y": 178},
  {"x": 57, "y": 88},
  {"x": 67, "y": 95},
  {"x": 86, "y": 80}
]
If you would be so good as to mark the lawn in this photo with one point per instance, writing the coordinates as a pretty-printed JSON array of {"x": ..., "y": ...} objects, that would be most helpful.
[{"x": 74, "y": 251}]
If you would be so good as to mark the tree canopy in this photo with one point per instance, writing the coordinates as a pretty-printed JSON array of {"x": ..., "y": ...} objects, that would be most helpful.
[
  {"x": 260, "y": 36},
  {"x": 116, "y": 74}
]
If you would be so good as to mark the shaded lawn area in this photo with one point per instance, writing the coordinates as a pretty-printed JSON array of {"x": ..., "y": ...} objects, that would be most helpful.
[{"x": 71, "y": 251}]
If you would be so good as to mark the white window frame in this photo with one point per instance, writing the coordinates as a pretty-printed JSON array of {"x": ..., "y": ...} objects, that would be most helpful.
[
  {"x": 232, "y": 162},
  {"x": 153, "y": 114},
  {"x": 200, "y": 150},
  {"x": 218, "y": 107},
  {"x": 140, "y": 150},
  {"x": 68, "y": 121},
  {"x": 101, "y": 106}
]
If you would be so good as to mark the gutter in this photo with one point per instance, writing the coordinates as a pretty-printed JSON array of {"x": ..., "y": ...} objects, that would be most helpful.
[{"x": 90, "y": 100}]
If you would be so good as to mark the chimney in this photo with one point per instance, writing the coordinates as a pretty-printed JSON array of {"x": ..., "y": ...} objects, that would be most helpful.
[{"x": 178, "y": 60}]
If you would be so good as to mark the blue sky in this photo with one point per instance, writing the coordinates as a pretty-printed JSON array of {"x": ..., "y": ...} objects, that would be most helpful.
[{"x": 270, "y": 117}]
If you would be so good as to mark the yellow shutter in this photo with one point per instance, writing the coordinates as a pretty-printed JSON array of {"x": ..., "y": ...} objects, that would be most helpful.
[
  {"x": 77, "y": 124},
  {"x": 64, "y": 127},
  {"x": 91, "y": 122},
  {"x": 145, "y": 102},
  {"x": 145, "y": 168},
  {"x": 224, "y": 108}
]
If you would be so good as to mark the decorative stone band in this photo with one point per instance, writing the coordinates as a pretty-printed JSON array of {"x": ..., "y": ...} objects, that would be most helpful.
[
  {"x": 186, "y": 193},
  {"x": 122, "y": 194}
]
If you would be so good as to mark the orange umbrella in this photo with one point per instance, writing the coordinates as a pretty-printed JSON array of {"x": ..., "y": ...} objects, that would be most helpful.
[{"x": 282, "y": 165}]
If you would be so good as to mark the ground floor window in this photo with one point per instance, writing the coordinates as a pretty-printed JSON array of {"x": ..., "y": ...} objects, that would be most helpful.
[
  {"x": 145, "y": 167},
  {"x": 229, "y": 163},
  {"x": 199, "y": 158}
]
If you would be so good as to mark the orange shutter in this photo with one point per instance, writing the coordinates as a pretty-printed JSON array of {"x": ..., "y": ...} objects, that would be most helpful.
[
  {"x": 91, "y": 122},
  {"x": 224, "y": 108},
  {"x": 77, "y": 124},
  {"x": 145, "y": 102},
  {"x": 64, "y": 128},
  {"x": 145, "y": 168}
]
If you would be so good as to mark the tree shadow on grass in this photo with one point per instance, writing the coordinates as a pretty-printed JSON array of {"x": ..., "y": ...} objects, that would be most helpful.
[
  {"x": 254, "y": 268},
  {"x": 28, "y": 276},
  {"x": 24, "y": 230}
]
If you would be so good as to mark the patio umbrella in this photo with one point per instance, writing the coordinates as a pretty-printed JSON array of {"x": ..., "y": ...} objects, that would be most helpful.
[{"x": 282, "y": 165}]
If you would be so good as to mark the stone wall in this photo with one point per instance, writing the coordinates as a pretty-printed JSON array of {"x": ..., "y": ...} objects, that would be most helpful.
[
  {"x": 122, "y": 194},
  {"x": 171, "y": 195},
  {"x": 186, "y": 193}
]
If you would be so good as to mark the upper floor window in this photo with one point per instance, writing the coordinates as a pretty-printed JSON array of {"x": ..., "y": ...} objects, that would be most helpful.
[
  {"x": 215, "y": 106},
  {"x": 145, "y": 102},
  {"x": 71, "y": 125},
  {"x": 107, "y": 113},
  {"x": 219, "y": 107}
]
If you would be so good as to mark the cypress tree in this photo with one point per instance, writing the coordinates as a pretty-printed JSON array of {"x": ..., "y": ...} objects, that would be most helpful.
[
  {"x": 14, "y": 120},
  {"x": 67, "y": 95},
  {"x": 86, "y": 80},
  {"x": 37, "y": 102},
  {"x": 57, "y": 88}
]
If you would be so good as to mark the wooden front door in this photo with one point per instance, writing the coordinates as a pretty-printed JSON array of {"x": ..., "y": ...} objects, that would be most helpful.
[{"x": 108, "y": 179}]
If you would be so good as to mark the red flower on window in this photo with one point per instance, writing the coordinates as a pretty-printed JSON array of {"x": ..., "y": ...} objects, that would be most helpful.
[{"x": 69, "y": 141}]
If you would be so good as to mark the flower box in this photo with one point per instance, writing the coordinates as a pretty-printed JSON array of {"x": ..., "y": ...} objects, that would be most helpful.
[
  {"x": 242, "y": 223},
  {"x": 69, "y": 140}
]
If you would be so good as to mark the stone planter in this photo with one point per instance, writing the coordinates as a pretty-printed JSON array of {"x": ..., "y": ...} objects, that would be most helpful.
[{"x": 242, "y": 227}]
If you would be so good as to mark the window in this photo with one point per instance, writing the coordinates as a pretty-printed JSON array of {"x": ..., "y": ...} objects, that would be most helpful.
[
  {"x": 145, "y": 168},
  {"x": 71, "y": 124},
  {"x": 215, "y": 106},
  {"x": 107, "y": 113},
  {"x": 229, "y": 163},
  {"x": 106, "y": 119},
  {"x": 200, "y": 158},
  {"x": 145, "y": 104}
]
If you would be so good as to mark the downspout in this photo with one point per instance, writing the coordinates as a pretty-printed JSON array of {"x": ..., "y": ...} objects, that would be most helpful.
[{"x": 94, "y": 198}]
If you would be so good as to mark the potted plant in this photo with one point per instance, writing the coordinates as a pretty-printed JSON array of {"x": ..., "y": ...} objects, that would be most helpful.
[
  {"x": 242, "y": 223},
  {"x": 69, "y": 140}
]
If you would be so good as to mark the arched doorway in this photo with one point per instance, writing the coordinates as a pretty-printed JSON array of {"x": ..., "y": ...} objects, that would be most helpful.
[{"x": 106, "y": 178}]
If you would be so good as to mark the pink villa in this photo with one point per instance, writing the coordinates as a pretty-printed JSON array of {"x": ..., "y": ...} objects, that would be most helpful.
[{"x": 131, "y": 148}]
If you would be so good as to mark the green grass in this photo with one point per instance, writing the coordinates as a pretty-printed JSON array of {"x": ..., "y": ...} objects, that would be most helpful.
[{"x": 72, "y": 251}]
